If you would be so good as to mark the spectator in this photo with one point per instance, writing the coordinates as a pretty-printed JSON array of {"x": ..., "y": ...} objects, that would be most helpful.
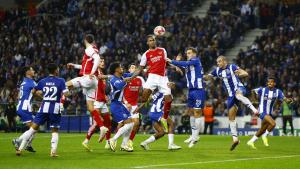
[
  {"x": 10, "y": 113},
  {"x": 208, "y": 112}
]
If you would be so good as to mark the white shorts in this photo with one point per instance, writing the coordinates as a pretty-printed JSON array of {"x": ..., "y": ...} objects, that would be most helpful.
[
  {"x": 160, "y": 82},
  {"x": 136, "y": 115},
  {"x": 102, "y": 106},
  {"x": 89, "y": 86}
]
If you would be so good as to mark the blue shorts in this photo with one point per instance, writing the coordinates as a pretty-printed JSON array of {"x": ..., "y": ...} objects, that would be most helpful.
[
  {"x": 119, "y": 112},
  {"x": 155, "y": 116},
  {"x": 231, "y": 101},
  {"x": 53, "y": 119},
  {"x": 196, "y": 98},
  {"x": 25, "y": 116}
]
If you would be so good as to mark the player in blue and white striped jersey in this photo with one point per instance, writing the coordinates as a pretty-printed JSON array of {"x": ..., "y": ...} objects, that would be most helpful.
[
  {"x": 268, "y": 98},
  {"x": 24, "y": 108},
  {"x": 230, "y": 74},
  {"x": 196, "y": 96},
  {"x": 156, "y": 115},
  {"x": 119, "y": 111},
  {"x": 51, "y": 89}
]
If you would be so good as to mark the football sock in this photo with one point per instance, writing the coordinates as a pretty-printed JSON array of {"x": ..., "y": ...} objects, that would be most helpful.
[
  {"x": 54, "y": 142},
  {"x": 233, "y": 130}
]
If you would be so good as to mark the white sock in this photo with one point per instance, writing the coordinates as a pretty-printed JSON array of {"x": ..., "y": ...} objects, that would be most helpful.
[
  {"x": 30, "y": 140},
  {"x": 122, "y": 130},
  {"x": 192, "y": 123},
  {"x": 171, "y": 139},
  {"x": 198, "y": 127},
  {"x": 26, "y": 137},
  {"x": 54, "y": 142},
  {"x": 86, "y": 141},
  {"x": 266, "y": 133},
  {"x": 202, "y": 122},
  {"x": 126, "y": 136},
  {"x": 233, "y": 130},
  {"x": 253, "y": 139},
  {"x": 149, "y": 140},
  {"x": 247, "y": 102}
]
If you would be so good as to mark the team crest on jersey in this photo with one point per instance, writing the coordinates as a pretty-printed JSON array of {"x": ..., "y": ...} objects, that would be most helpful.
[{"x": 160, "y": 53}]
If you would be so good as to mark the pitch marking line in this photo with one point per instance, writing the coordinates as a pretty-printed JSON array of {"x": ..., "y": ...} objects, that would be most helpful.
[{"x": 215, "y": 161}]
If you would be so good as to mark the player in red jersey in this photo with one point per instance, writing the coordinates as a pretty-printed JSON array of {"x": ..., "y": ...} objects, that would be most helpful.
[
  {"x": 155, "y": 58},
  {"x": 100, "y": 105},
  {"x": 88, "y": 80},
  {"x": 131, "y": 96}
]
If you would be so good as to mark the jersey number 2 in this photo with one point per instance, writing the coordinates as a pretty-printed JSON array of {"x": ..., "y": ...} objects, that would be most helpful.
[{"x": 50, "y": 93}]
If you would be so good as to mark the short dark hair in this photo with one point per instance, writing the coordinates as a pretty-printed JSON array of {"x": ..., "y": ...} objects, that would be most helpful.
[
  {"x": 113, "y": 67},
  {"x": 150, "y": 36},
  {"x": 194, "y": 50},
  {"x": 25, "y": 69},
  {"x": 89, "y": 38},
  {"x": 132, "y": 64},
  {"x": 52, "y": 68}
]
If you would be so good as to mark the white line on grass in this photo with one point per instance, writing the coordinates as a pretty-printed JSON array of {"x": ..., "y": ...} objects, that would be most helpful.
[{"x": 215, "y": 161}]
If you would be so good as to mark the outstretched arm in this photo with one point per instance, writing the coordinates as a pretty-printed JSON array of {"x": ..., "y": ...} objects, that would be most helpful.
[{"x": 241, "y": 73}]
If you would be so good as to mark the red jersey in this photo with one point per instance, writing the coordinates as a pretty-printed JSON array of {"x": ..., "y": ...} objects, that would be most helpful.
[
  {"x": 100, "y": 96},
  {"x": 156, "y": 60},
  {"x": 87, "y": 60},
  {"x": 131, "y": 91}
]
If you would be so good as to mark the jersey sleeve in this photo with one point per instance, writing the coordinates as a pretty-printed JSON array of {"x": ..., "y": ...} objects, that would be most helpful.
[
  {"x": 234, "y": 67},
  {"x": 184, "y": 63},
  {"x": 64, "y": 89},
  {"x": 143, "y": 60},
  {"x": 258, "y": 90},
  {"x": 125, "y": 75},
  {"x": 280, "y": 95},
  {"x": 119, "y": 84},
  {"x": 214, "y": 73},
  {"x": 90, "y": 51},
  {"x": 39, "y": 86},
  {"x": 165, "y": 53}
]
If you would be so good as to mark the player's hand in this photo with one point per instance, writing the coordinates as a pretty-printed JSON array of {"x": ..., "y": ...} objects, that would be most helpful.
[
  {"x": 128, "y": 79},
  {"x": 70, "y": 65},
  {"x": 178, "y": 70},
  {"x": 168, "y": 60},
  {"x": 179, "y": 57},
  {"x": 91, "y": 76},
  {"x": 128, "y": 106},
  {"x": 171, "y": 85}
]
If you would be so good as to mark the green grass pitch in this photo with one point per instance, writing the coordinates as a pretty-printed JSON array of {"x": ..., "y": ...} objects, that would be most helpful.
[{"x": 212, "y": 152}]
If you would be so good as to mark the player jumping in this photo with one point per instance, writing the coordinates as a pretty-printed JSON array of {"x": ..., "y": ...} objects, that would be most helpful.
[
  {"x": 230, "y": 74},
  {"x": 88, "y": 81}
]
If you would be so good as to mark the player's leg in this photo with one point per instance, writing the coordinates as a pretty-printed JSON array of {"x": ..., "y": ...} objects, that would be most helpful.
[
  {"x": 107, "y": 123},
  {"x": 192, "y": 123},
  {"x": 262, "y": 129},
  {"x": 88, "y": 136},
  {"x": 147, "y": 91},
  {"x": 232, "y": 123},
  {"x": 240, "y": 96},
  {"x": 159, "y": 133},
  {"x": 136, "y": 120},
  {"x": 171, "y": 127},
  {"x": 54, "y": 142},
  {"x": 26, "y": 137},
  {"x": 270, "y": 128}
]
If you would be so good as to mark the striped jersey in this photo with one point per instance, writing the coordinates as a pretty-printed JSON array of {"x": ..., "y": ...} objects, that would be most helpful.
[
  {"x": 193, "y": 72},
  {"x": 25, "y": 95},
  {"x": 267, "y": 98},
  {"x": 52, "y": 88},
  {"x": 117, "y": 85},
  {"x": 157, "y": 102},
  {"x": 231, "y": 82}
]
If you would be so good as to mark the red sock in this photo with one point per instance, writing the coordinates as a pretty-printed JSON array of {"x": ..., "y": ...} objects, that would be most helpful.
[
  {"x": 167, "y": 108},
  {"x": 90, "y": 132},
  {"x": 97, "y": 118},
  {"x": 132, "y": 135},
  {"x": 107, "y": 123}
]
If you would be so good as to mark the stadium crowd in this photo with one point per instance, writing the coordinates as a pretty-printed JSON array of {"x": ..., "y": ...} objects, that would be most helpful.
[{"x": 54, "y": 34}]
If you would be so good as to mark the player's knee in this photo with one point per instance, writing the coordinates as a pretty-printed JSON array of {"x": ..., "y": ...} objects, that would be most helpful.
[
  {"x": 273, "y": 124},
  {"x": 161, "y": 133}
]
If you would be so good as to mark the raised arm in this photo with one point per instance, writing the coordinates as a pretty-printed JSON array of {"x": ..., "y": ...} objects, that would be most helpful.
[{"x": 241, "y": 73}]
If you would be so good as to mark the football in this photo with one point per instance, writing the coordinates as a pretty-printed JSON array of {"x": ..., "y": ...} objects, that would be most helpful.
[{"x": 159, "y": 31}]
